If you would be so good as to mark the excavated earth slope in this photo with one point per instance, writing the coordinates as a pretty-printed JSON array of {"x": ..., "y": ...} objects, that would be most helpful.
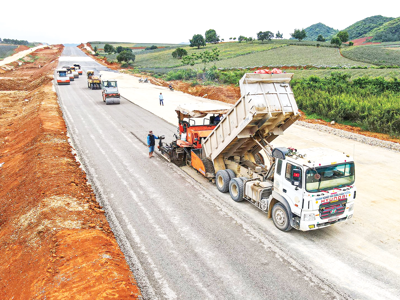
[{"x": 55, "y": 241}]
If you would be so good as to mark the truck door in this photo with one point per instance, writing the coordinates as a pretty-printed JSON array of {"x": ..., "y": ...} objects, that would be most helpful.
[{"x": 293, "y": 193}]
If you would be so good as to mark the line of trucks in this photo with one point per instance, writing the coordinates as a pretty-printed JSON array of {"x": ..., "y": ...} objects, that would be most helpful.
[
  {"x": 303, "y": 189},
  {"x": 110, "y": 93}
]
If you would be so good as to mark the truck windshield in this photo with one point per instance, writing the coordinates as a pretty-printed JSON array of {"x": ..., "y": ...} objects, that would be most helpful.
[
  {"x": 110, "y": 84},
  {"x": 329, "y": 177}
]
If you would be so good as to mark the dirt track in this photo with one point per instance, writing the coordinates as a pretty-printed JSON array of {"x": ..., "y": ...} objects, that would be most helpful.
[{"x": 54, "y": 238}]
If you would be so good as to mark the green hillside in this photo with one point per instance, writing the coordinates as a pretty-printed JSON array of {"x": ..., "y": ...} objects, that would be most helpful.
[
  {"x": 374, "y": 54},
  {"x": 314, "y": 30},
  {"x": 387, "y": 32},
  {"x": 6, "y": 50},
  {"x": 364, "y": 27}
]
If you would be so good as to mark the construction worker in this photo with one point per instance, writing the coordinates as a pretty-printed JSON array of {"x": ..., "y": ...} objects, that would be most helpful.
[
  {"x": 161, "y": 97},
  {"x": 151, "y": 143}
]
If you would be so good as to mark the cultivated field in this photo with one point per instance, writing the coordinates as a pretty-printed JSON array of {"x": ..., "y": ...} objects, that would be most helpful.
[
  {"x": 6, "y": 50},
  {"x": 388, "y": 55},
  {"x": 291, "y": 56},
  {"x": 235, "y": 55},
  {"x": 354, "y": 73}
]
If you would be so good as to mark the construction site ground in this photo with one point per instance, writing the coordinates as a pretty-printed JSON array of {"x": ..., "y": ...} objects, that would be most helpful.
[
  {"x": 195, "y": 241},
  {"x": 55, "y": 240}
]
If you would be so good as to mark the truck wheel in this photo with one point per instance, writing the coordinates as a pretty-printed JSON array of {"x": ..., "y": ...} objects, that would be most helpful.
[
  {"x": 280, "y": 217},
  {"x": 222, "y": 181},
  {"x": 231, "y": 173},
  {"x": 236, "y": 189}
]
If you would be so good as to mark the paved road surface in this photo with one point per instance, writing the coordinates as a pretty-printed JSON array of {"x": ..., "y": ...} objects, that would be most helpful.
[{"x": 190, "y": 241}]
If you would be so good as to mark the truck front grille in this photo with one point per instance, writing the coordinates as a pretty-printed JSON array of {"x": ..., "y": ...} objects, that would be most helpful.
[{"x": 332, "y": 209}]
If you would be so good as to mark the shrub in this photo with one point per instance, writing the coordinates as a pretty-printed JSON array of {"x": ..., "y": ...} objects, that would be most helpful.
[
  {"x": 179, "y": 53},
  {"x": 184, "y": 74},
  {"x": 152, "y": 48}
]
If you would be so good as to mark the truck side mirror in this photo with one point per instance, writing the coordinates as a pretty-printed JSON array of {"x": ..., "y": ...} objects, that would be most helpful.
[{"x": 296, "y": 176}]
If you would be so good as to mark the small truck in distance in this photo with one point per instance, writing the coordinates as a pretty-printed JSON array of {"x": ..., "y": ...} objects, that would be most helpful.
[
  {"x": 62, "y": 77},
  {"x": 110, "y": 92}
]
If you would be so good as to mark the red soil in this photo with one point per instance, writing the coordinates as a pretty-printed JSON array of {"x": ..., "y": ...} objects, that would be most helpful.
[
  {"x": 21, "y": 48},
  {"x": 363, "y": 41},
  {"x": 55, "y": 240}
]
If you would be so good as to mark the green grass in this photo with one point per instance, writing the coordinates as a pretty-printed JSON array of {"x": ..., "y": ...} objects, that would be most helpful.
[
  {"x": 6, "y": 50},
  {"x": 374, "y": 54},
  {"x": 164, "y": 59},
  {"x": 291, "y": 56},
  {"x": 354, "y": 73}
]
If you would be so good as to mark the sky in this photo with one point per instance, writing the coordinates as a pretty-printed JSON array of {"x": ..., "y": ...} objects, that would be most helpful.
[{"x": 175, "y": 21}]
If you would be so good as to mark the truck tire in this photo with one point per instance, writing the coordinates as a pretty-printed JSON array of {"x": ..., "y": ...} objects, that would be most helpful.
[
  {"x": 280, "y": 217},
  {"x": 222, "y": 181},
  {"x": 231, "y": 173},
  {"x": 236, "y": 189}
]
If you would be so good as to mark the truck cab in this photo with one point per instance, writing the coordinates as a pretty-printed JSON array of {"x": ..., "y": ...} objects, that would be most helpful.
[{"x": 315, "y": 186}]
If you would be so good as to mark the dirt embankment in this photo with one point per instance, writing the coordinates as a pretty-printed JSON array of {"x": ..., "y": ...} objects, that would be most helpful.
[
  {"x": 21, "y": 48},
  {"x": 54, "y": 238}
]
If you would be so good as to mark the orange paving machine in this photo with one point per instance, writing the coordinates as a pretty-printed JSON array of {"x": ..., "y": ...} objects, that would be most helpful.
[{"x": 196, "y": 122}]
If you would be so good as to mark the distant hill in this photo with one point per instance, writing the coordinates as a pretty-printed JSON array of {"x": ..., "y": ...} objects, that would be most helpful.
[
  {"x": 364, "y": 27},
  {"x": 387, "y": 32},
  {"x": 314, "y": 30}
]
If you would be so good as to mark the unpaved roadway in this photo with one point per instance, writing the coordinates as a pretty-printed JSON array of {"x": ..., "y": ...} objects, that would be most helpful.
[{"x": 184, "y": 240}]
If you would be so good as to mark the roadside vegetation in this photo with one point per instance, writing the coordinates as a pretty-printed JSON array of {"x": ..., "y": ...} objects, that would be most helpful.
[{"x": 370, "y": 103}]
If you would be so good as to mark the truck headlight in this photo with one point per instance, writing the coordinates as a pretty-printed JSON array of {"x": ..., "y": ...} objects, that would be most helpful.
[{"x": 309, "y": 217}]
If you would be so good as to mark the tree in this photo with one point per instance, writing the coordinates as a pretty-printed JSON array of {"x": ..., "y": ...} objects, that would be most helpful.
[
  {"x": 179, "y": 53},
  {"x": 241, "y": 38},
  {"x": 234, "y": 38},
  {"x": 204, "y": 57},
  {"x": 126, "y": 56},
  {"x": 265, "y": 35},
  {"x": 336, "y": 41},
  {"x": 119, "y": 49},
  {"x": 343, "y": 36},
  {"x": 95, "y": 49},
  {"x": 250, "y": 39},
  {"x": 230, "y": 39},
  {"x": 197, "y": 41},
  {"x": 279, "y": 35},
  {"x": 299, "y": 34},
  {"x": 320, "y": 38},
  {"x": 212, "y": 37},
  {"x": 109, "y": 48}
]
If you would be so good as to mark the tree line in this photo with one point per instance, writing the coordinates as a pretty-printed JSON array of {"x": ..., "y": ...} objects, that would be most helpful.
[
  {"x": 14, "y": 42},
  {"x": 212, "y": 37}
]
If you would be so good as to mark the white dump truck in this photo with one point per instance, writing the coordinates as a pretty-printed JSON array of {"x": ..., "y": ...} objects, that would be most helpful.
[{"x": 303, "y": 189}]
